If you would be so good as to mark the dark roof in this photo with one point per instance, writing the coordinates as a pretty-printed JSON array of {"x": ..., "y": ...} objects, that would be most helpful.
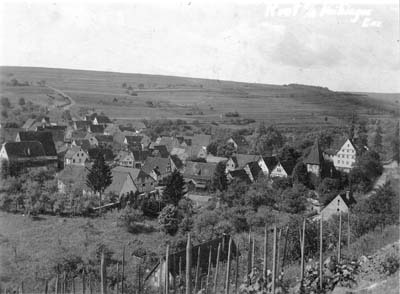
[
  {"x": 177, "y": 161},
  {"x": 94, "y": 152},
  {"x": 178, "y": 259},
  {"x": 288, "y": 166},
  {"x": 46, "y": 138},
  {"x": 163, "y": 165},
  {"x": 315, "y": 155},
  {"x": 240, "y": 140},
  {"x": 140, "y": 155},
  {"x": 72, "y": 151},
  {"x": 240, "y": 174},
  {"x": 199, "y": 170},
  {"x": 96, "y": 129},
  {"x": 104, "y": 138},
  {"x": 58, "y": 132},
  {"x": 348, "y": 198},
  {"x": 102, "y": 119},
  {"x": 162, "y": 151},
  {"x": 82, "y": 124},
  {"x": 133, "y": 140},
  {"x": 242, "y": 159},
  {"x": 83, "y": 143},
  {"x": 118, "y": 180},
  {"x": 25, "y": 149},
  {"x": 271, "y": 162},
  {"x": 255, "y": 169},
  {"x": 29, "y": 123}
]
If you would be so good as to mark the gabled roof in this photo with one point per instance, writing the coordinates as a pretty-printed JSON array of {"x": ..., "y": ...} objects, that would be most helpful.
[
  {"x": 199, "y": 170},
  {"x": 94, "y": 152},
  {"x": 215, "y": 159},
  {"x": 137, "y": 124},
  {"x": 140, "y": 155},
  {"x": 254, "y": 168},
  {"x": 102, "y": 119},
  {"x": 46, "y": 138},
  {"x": 111, "y": 129},
  {"x": 200, "y": 140},
  {"x": 29, "y": 123},
  {"x": 242, "y": 159},
  {"x": 315, "y": 156},
  {"x": 58, "y": 132},
  {"x": 240, "y": 174},
  {"x": 288, "y": 166},
  {"x": 271, "y": 162},
  {"x": 104, "y": 138},
  {"x": 169, "y": 142},
  {"x": 133, "y": 140},
  {"x": 240, "y": 140},
  {"x": 96, "y": 129},
  {"x": 162, "y": 164},
  {"x": 78, "y": 135},
  {"x": 161, "y": 151},
  {"x": 83, "y": 143},
  {"x": 82, "y": 124},
  {"x": 118, "y": 181},
  {"x": 123, "y": 154},
  {"x": 347, "y": 198},
  {"x": 25, "y": 149},
  {"x": 72, "y": 151},
  {"x": 135, "y": 173},
  {"x": 74, "y": 174}
]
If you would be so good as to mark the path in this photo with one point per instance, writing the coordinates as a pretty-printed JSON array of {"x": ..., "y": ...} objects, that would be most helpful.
[
  {"x": 70, "y": 102},
  {"x": 390, "y": 170}
]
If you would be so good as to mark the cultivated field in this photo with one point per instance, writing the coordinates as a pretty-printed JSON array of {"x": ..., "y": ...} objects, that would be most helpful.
[{"x": 186, "y": 98}]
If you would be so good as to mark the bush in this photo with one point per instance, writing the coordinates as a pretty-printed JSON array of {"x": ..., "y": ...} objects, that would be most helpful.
[
  {"x": 390, "y": 265},
  {"x": 168, "y": 219},
  {"x": 130, "y": 219}
]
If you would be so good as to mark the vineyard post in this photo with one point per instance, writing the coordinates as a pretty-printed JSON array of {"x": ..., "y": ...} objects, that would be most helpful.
[
  {"x": 274, "y": 249},
  {"x": 103, "y": 274},
  {"x": 83, "y": 282},
  {"x": 73, "y": 285},
  {"x": 228, "y": 267},
  {"x": 208, "y": 270},
  {"x": 117, "y": 283},
  {"x": 265, "y": 269},
  {"x": 46, "y": 286},
  {"x": 302, "y": 238},
  {"x": 284, "y": 248},
  {"x": 197, "y": 275},
  {"x": 123, "y": 270},
  {"x": 320, "y": 254},
  {"x": 56, "y": 284},
  {"x": 188, "y": 265},
  {"x": 217, "y": 269},
  {"x": 348, "y": 231},
  {"x": 340, "y": 236},
  {"x": 249, "y": 257},
  {"x": 167, "y": 270},
  {"x": 237, "y": 270}
]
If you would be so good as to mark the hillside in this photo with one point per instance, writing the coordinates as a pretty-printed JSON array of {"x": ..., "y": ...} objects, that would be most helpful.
[{"x": 137, "y": 96}]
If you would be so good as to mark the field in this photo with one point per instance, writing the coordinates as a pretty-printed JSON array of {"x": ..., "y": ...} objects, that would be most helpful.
[{"x": 157, "y": 97}]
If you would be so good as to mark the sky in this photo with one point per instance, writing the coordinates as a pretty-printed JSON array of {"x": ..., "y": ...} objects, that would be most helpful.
[{"x": 348, "y": 46}]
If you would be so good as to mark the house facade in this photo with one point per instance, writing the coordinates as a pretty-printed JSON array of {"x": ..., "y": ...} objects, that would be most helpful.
[
  {"x": 345, "y": 158},
  {"x": 76, "y": 156},
  {"x": 341, "y": 203}
]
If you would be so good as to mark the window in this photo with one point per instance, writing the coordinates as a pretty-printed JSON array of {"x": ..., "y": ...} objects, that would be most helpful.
[
  {"x": 73, "y": 160},
  {"x": 143, "y": 185},
  {"x": 278, "y": 170}
]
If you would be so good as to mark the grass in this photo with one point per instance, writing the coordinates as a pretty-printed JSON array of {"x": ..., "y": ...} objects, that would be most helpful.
[{"x": 290, "y": 105}]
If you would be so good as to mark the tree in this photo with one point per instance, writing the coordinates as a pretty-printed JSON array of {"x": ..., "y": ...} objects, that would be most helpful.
[
  {"x": 293, "y": 200},
  {"x": 168, "y": 219},
  {"x": 328, "y": 189},
  {"x": 367, "y": 168},
  {"x": 5, "y": 102},
  {"x": 220, "y": 182},
  {"x": 377, "y": 143},
  {"x": 21, "y": 101},
  {"x": 226, "y": 150},
  {"x": 99, "y": 177},
  {"x": 395, "y": 143},
  {"x": 174, "y": 190},
  {"x": 266, "y": 141},
  {"x": 213, "y": 148},
  {"x": 300, "y": 174}
]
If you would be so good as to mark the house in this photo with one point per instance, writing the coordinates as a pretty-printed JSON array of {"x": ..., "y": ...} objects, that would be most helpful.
[
  {"x": 119, "y": 136},
  {"x": 122, "y": 184},
  {"x": 81, "y": 125},
  {"x": 45, "y": 138},
  {"x": 137, "y": 125},
  {"x": 199, "y": 174},
  {"x": 240, "y": 175},
  {"x": 160, "y": 151},
  {"x": 169, "y": 142},
  {"x": 99, "y": 140},
  {"x": 158, "y": 168},
  {"x": 137, "y": 142},
  {"x": 26, "y": 154},
  {"x": 73, "y": 177},
  {"x": 314, "y": 160},
  {"x": 177, "y": 260},
  {"x": 346, "y": 156},
  {"x": 199, "y": 140},
  {"x": 75, "y": 155},
  {"x": 96, "y": 129},
  {"x": 180, "y": 152},
  {"x": 32, "y": 123},
  {"x": 58, "y": 132},
  {"x": 140, "y": 157},
  {"x": 83, "y": 143},
  {"x": 239, "y": 161},
  {"x": 125, "y": 158},
  {"x": 282, "y": 170},
  {"x": 111, "y": 129},
  {"x": 238, "y": 141},
  {"x": 107, "y": 153},
  {"x": 267, "y": 164},
  {"x": 341, "y": 202},
  {"x": 253, "y": 170},
  {"x": 28, "y": 124},
  {"x": 215, "y": 159},
  {"x": 143, "y": 181},
  {"x": 101, "y": 120}
]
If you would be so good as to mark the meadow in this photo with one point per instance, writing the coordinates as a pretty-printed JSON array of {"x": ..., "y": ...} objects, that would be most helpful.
[{"x": 155, "y": 97}]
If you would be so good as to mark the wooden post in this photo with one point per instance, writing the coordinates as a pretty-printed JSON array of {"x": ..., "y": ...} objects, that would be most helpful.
[
  {"x": 320, "y": 254},
  {"x": 21, "y": 288},
  {"x": 83, "y": 283},
  {"x": 237, "y": 270},
  {"x": 208, "y": 270},
  {"x": 56, "y": 284},
  {"x": 302, "y": 242},
  {"x": 73, "y": 285},
  {"x": 180, "y": 273},
  {"x": 249, "y": 257},
  {"x": 284, "y": 248},
  {"x": 64, "y": 283},
  {"x": 340, "y": 236},
  {"x": 348, "y": 230},
  {"x": 188, "y": 265},
  {"x": 46, "y": 287},
  {"x": 160, "y": 276},
  {"x": 253, "y": 254},
  {"x": 278, "y": 255},
  {"x": 123, "y": 270},
  {"x": 103, "y": 274},
  {"x": 140, "y": 277},
  {"x": 117, "y": 284},
  {"x": 167, "y": 270},
  {"x": 265, "y": 268},
  {"x": 90, "y": 284},
  {"x": 197, "y": 275},
  {"x": 274, "y": 260},
  {"x": 217, "y": 269},
  {"x": 228, "y": 267}
]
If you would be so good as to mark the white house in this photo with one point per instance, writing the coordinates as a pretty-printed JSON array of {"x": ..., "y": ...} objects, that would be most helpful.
[
  {"x": 341, "y": 202},
  {"x": 76, "y": 156},
  {"x": 345, "y": 158},
  {"x": 278, "y": 171}
]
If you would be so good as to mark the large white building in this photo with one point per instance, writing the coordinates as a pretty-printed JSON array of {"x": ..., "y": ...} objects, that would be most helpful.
[{"x": 345, "y": 158}]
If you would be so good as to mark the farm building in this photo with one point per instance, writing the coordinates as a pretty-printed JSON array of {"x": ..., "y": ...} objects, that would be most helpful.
[{"x": 314, "y": 160}]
